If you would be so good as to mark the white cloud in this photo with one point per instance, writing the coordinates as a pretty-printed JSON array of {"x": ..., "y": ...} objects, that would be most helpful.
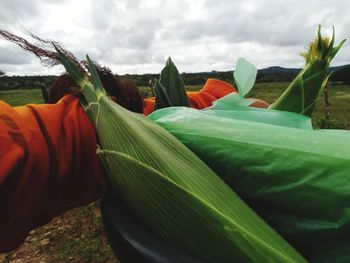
[{"x": 136, "y": 36}]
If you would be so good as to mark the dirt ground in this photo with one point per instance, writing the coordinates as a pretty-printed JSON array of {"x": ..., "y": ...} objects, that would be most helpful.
[{"x": 76, "y": 236}]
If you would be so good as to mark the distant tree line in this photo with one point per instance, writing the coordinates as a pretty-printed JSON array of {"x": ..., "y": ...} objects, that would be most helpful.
[
  {"x": 275, "y": 77},
  {"x": 201, "y": 77},
  {"x": 24, "y": 82},
  {"x": 342, "y": 75},
  {"x": 188, "y": 78}
]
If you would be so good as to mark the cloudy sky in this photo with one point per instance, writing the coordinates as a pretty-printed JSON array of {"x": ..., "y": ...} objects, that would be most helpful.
[{"x": 136, "y": 36}]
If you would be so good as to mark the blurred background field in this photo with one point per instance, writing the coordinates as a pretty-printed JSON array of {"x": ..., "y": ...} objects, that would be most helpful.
[
  {"x": 18, "y": 97},
  {"x": 339, "y": 98}
]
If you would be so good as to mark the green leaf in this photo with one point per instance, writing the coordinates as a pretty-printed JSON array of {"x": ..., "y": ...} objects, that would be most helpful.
[
  {"x": 331, "y": 43},
  {"x": 320, "y": 44},
  {"x": 335, "y": 50},
  {"x": 295, "y": 95},
  {"x": 244, "y": 75},
  {"x": 162, "y": 98},
  {"x": 95, "y": 77},
  {"x": 72, "y": 69},
  {"x": 174, "y": 87},
  {"x": 230, "y": 101},
  {"x": 178, "y": 207},
  {"x": 293, "y": 176}
]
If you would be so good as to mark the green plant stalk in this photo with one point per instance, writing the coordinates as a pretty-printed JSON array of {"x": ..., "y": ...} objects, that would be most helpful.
[
  {"x": 302, "y": 93},
  {"x": 172, "y": 191}
]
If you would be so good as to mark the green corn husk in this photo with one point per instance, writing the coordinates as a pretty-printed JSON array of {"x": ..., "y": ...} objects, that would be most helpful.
[
  {"x": 172, "y": 191},
  {"x": 301, "y": 94},
  {"x": 170, "y": 89},
  {"x": 294, "y": 177},
  {"x": 162, "y": 97}
]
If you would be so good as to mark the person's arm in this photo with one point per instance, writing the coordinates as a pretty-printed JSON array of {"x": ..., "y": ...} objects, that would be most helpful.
[
  {"x": 48, "y": 165},
  {"x": 212, "y": 90},
  {"x": 215, "y": 89}
]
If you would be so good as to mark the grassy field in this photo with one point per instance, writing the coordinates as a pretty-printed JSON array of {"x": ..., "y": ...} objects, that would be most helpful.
[
  {"x": 20, "y": 97},
  {"x": 339, "y": 98}
]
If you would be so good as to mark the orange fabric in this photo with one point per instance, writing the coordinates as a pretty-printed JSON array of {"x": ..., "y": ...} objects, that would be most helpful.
[
  {"x": 148, "y": 105},
  {"x": 200, "y": 100},
  {"x": 218, "y": 88},
  {"x": 48, "y": 165},
  {"x": 258, "y": 103},
  {"x": 213, "y": 89}
]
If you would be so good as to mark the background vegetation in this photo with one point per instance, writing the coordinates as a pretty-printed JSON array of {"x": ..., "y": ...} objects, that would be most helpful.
[{"x": 271, "y": 74}]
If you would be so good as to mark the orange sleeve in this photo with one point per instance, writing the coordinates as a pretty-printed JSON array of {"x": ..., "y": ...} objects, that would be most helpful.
[
  {"x": 200, "y": 100},
  {"x": 217, "y": 88},
  {"x": 148, "y": 105},
  {"x": 48, "y": 164},
  {"x": 212, "y": 90},
  {"x": 258, "y": 103}
]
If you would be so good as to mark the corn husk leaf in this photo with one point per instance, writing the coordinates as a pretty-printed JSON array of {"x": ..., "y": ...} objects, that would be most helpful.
[
  {"x": 170, "y": 91},
  {"x": 293, "y": 176},
  {"x": 301, "y": 95},
  {"x": 162, "y": 98},
  {"x": 174, "y": 193},
  {"x": 244, "y": 75}
]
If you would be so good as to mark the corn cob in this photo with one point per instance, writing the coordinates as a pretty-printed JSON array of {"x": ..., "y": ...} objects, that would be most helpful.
[
  {"x": 301, "y": 94},
  {"x": 174, "y": 193}
]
